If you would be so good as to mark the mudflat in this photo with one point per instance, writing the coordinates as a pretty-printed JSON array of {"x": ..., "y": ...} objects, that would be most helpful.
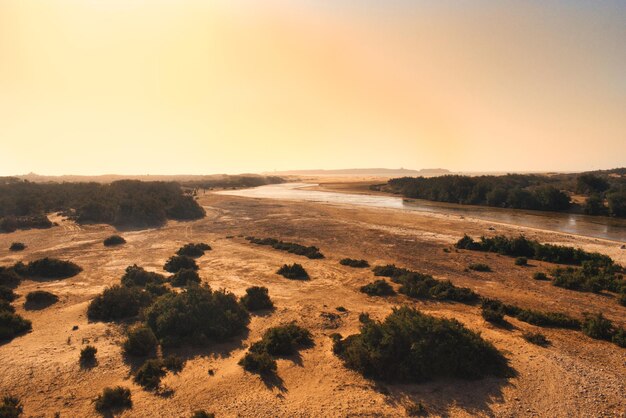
[{"x": 574, "y": 376}]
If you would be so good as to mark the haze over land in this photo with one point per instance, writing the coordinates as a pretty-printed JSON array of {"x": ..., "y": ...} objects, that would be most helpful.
[{"x": 133, "y": 87}]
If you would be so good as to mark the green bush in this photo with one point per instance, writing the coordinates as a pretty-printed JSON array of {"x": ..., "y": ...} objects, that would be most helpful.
[
  {"x": 11, "y": 407},
  {"x": 598, "y": 327},
  {"x": 619, "y": 337},
  {"x": 7, "y": 294},
  {"x": 539, "y": 275},
  {"x": 390, "y": 270},
  {"x": 52, "y": 268},
  {"x": 185, "y": 277},
  {"x": 423, "y": 286},
  {"x": 293, "y": 271},
  {"x": 138, "y": 276},
  {"x": 116, "y": 398},
  {"x": 88, "y": 355},
  {"x": 283, "y": 340},
  {"x": 354, "y": 263},
  {"x": 173, "y": 363},
  {"x": 479, "y": 267},
  {"x": 492, "y": 312},
  {"x": 12, "y": 325},
  {"x": 193, "y": 250},
  {"x": 290, "y": 247},
  {"x": 140, "y": 341},
  {"x": 17, "y": 246},
  {"x": 378, "y": 288},
  {"x": 114, "y": 240},
  {"x": 118, "y": 302},
  {"x": 39, "y": 299},
  {"x": 521, "y": 261},
  {"x": 179, "y": 262},
  {"x": 258, "y": 362},
  {"x": 257, "y": 298},
  {"x": 202, "y": 414},
  {"x": 410, "y": 346},
  {"x": 197, "y": 315},
  {"x": 9, "y": 276},
  {"x": 536, "y": 338},
  {"x": 590, "y": 278},
  {"x": 150, "y": 373},
  {"x": 542, "y": 319}
]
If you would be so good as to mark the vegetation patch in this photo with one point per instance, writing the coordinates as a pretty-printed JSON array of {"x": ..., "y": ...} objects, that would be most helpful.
[
  {"x": 409, "y": 346},
  {"x": 202, "y": 414},
  {"x": 7, "y": 294},
  {"x": 140, "y": 341},
  {"x": 492, "y": 311},
  {"x": 540, "y": 275},
  {"x": 479, "y": 267},
  {"x": 13, "y": 223},
  {"x": 351, "y": 262},
  {"x": 283, "y": 340},
  {"x": 257, "y": 298},
  {"x": 378, "y": 288},
  {"x": 116, "y": 398},
  {"x": 17, "y": 246},
  {"x": 193, "y": 250},
  {"x": 260, "y": 363},
  {"x": 590, "y": 278},
  {"x": 118, "y": 302},
  {"x": 9, "y": 276},
  {"x": 521, "y": 261},
  {"x": 12, "y": 325},
  {"x": 40, "y": 299},
  {"x": 52, "y": 268},
  {"x": 114, "y": 240},
  {"x": 184, "y": 278},
  {"x": 11, "y": 407},
  {"x": 197, "y": 315},
  {"x": 138, "y": 276},
  {"x": 290, "y": 247},
  {"x": 293, "y": 271},
  {"x": 536, "y": 338},
  {"x": 88, "y": 355},
  {"x": 150, "y": 373},
  {"x": 179, "y": 262}
]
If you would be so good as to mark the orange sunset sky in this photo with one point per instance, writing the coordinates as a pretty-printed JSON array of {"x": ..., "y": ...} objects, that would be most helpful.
[{"x": 198, "y": 87}]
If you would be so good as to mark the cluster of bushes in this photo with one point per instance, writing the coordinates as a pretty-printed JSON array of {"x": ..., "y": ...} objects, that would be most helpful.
[
  {"x": 351, "y": 262},
  {"x": 494, "y": 310},
  {"x": 193, "y": 250},
  {"x": 257, "y": 298},
  {"x": 378, "y": 288},
  {"x": 310, "y": 252},
  {"x": 118, "y": 302},
  {"x": 590, "y": 278},
  {"x": 151, "y": 372},
  {"x": 17, "y": 246},
  {"x": 114, "y": 240},
  {"x": 423, "y": 286},
  {"x": 600, "y": 328},
  {"x": 11, "y": 407},
  {"x": 13, "y": 223},
  {"x": 50, "y": 268},
  {"x": 184, "y": 278},
  {"x": 511, "y": 191},
  {"x": 39, "y": 299},
  {"x": 178, "y": 262},
  {"x": 293, "y": 271},
  {"x": 138, "y": 276},
  {"x": 140, "y": 341},
  {"x": 409, "y": 346},
  {"x": 116, "y": 398},
  {"x": 523, "y": 247},
  {"x": 278, "y": 341},
  {"x": 125, "y": 203}
]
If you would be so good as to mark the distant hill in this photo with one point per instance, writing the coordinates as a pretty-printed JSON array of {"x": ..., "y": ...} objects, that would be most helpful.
[{"x": 374, "y": 172}]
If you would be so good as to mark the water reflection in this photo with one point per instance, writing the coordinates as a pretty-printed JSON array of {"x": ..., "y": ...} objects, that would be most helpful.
[{"x": 591, "y": 226}]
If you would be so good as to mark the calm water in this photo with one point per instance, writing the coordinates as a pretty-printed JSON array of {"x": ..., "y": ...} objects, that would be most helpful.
[{"x": 591, "y": 226}]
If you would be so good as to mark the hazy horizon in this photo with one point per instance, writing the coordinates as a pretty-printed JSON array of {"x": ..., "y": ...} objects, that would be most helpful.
[{"x": 134, "y": 87}]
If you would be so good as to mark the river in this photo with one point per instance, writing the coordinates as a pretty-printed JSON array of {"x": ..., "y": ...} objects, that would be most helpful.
[{"x": 589, "y": 226}]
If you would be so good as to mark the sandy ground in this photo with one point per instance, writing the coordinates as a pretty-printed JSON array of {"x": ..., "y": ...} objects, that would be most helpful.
[{"x": 575, "y": 376}]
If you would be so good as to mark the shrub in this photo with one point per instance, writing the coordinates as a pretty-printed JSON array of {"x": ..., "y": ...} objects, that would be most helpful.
[
  {"x": 114, "y": 240},
  {"x": 113, "y": 398},
  {"x": 492, "y": 312},
  {"x": 202, "y": 414},
  {"x": 542, "y": 319},
  {"x": 150, "y": 373},
  {"x": 197, "y": 315},
  {"x": 12, "y": 325},
  {"x": 413, "y": 347},
  {"x": 52, "y": 268},
  {"x": 290, "y": 247},
  {"x": 597, "y": 326},
  {"x": 17, "y": 246},
  {"x": 118, "y": 302},
  {"x": 479, "y": 267},
  {"x": 173, "y": 363},
  {"x": 619, "y": 337},
  {"x": 423, "y": 286},
  {"x": 7, "y": 294},
  {"x": 521, "y": 261},
  {"x": 390, "y": 270},
  {"x": 179, "y": 262},
  {"x": 193, "y": 250},
  {"x": 9, "y": 277},
  {"x": 378, "y": 288},
  {"x": 354, "y": 263},
  {"x": 140, "y": 341},
  {"x": 283, "y": 340},
  {"x": 5, "y": 306},
  {"x": 40, "y": 299},
  {"x": 11, "y": 407},
  {"x": 257, "y": 298},
  {"x": 258, "y": 362},
  {"x": 540, "y": 275},
  {"x": 185, "y": 277},
  {"x": 536, "y": 338},
  {"x": 622, "y": 298},
  {"x": 138, "y": 276},
  {"x": 341, "y": 309},
  {"x": 590, "y": 278},
  {"x": 293, "y": 271},
  {"x": 88, "y": 355}
]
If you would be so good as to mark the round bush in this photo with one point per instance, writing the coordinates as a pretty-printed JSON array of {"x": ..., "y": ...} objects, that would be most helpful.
[
  {"x": 378, "y": 288},
  {"x": 260, "y": 363},
  {"x": 17, "y": 246},
  {"x": 118, "y": 302},
  {"x": 193, "y": 250},
  {"x": 521, "y": 261},
  {"x": 179, "y": 262},
  {"x": 88, "y": 354},
  {"x": 39, "y": 299},
  {"x": 540, "y": 276},
  {"x": 257, "y": 298},
  {"x": 52, "y": 268},
  {"x": 140, "y": 341},
  {"x": 114, "y": 240},
  {"x": 293, "y": 271},
  {"x": 149, "y": 375},
  {"x": 185, "y": 277},
  {"x": 113, "y": 398}
]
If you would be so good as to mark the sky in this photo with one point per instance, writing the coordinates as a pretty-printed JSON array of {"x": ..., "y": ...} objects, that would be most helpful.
[{"x": 231, "y": 86}]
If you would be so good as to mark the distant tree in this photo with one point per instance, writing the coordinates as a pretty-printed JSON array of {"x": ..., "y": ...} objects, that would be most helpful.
[
  {"x": 591, "y": 184},
  {"x": 617, "y": 204},
  {"x": 594, "y": 205}
]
